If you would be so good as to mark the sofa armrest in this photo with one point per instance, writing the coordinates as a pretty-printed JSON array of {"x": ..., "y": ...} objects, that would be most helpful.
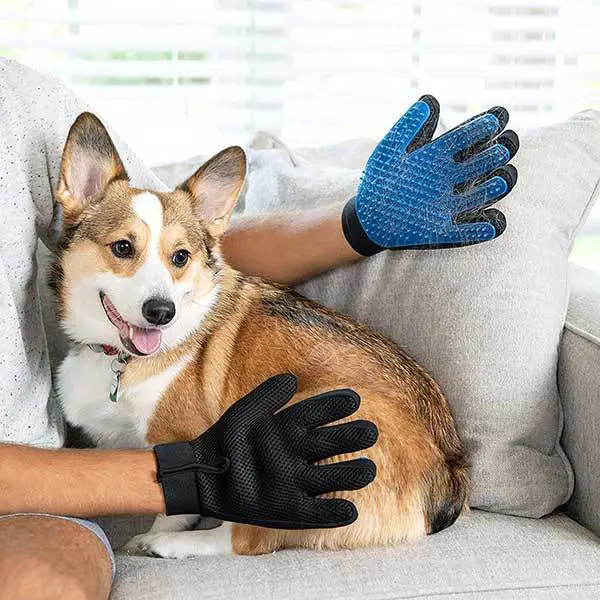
[{"x": 579, "y": 384}]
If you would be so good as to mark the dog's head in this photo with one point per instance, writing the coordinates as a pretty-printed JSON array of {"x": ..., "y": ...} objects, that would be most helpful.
[{"x": 138, "y": 270}]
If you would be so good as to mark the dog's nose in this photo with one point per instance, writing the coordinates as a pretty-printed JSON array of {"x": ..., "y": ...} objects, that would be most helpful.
[{"x": 158, "y": 311}]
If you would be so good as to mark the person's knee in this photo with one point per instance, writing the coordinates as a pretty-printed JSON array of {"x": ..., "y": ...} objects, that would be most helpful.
[
  {"x": 48, "y": 559},
  {"x": 37, "y": 578}
]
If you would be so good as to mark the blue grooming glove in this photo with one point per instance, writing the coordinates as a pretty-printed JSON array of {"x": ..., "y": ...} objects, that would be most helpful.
[{"x": 416, "y": 192}]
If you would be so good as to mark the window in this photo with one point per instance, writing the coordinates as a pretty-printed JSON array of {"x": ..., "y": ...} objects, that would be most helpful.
[{"x": 178, "y": 78}]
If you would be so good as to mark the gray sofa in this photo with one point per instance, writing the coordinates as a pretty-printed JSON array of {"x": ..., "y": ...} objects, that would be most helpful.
[{"x": 484, "y": 555}]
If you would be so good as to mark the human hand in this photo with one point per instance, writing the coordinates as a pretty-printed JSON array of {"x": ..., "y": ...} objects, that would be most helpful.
[{"x": 255, "y": 465}]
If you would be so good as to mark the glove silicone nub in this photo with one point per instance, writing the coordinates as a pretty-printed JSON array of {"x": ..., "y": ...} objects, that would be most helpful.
[
  {"x": 257, "y": 466},
  {"x": 416, "y": 192}
]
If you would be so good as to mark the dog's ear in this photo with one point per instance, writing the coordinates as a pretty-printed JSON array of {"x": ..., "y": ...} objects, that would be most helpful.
[
  {"x": 215, "y": 187},
  {"x": 89, "y": 163}
]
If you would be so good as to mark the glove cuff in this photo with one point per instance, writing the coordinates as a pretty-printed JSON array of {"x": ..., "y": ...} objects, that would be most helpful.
[
  {"x": 354, "y": 232},
  {"x": 176, "y": 467}
]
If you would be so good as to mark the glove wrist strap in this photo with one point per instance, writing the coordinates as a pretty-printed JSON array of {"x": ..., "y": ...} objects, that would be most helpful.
[
  {"x": 176, "y": 469},
  {"x": 354, "y": 232}
]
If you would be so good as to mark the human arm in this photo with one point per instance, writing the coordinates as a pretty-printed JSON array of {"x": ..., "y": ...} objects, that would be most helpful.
[
  {"x": 255, "y": 465},
  {"x": 80, "y": 483},
  {"x": 288, "y": 247},
  {"x": 416, "y": 192}
]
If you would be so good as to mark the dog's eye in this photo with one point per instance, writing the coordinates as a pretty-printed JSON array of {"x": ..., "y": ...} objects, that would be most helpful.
[
  {"x": 122, "y": 249},
  {"x": 180, "y": 258}
]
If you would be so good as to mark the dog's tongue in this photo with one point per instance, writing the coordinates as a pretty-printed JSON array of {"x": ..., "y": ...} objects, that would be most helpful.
[{"x": 146, "y": 341}]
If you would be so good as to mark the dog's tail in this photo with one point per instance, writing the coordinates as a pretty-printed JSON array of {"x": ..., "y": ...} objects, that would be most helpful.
[
  {"x": 447, "y": 484},
  {"x": 448, "y": 491}
]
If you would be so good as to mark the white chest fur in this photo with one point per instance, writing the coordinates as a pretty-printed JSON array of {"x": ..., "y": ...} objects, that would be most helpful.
[{"x": 84, "y": 380}]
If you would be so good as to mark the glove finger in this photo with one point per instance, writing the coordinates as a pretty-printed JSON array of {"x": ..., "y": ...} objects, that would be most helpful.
[
  {"x": 490, "y": 191},
  {"x": 269, "y": 396},
  {"x": 333, "y": 512},
  {"x": 481, "y": 165},
  {"x": 470, "y": 228},
  {"x": 325, "y": 442},
  {"x": 493, "y": 216},
  {"x": 476, "y": 131},
  {"x": 425, "y": 134},
  {"x": 324, "y": 408},
  {"x": 502, "y": 115},
  {"x": 510, "y": 139},
  {"x": 414, "y": 123},
  {"x": 466, "y": 234},
  {"x": 337, "y": 477}
]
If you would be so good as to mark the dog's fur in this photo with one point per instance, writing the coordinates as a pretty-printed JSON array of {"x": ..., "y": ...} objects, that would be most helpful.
[{"x": 230, "y": 333}]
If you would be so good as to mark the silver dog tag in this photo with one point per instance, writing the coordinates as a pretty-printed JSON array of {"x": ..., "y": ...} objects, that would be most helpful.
[
  {"x": 117, "y": 366},
  {"x": 115, "y": 391}
]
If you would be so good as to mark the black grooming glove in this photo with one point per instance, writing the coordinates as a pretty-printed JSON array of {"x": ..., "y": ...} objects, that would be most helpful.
[{"x": 256, "y": 465}]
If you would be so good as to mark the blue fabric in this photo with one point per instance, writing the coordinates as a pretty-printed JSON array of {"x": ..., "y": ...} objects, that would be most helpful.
[{"x": 414, "y": 190}]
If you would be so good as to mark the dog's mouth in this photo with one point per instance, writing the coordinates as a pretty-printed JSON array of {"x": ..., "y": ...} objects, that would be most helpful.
[{"x": 138, "y": 340}]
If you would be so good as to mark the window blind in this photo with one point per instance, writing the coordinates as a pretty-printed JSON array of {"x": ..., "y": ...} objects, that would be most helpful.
[
  {"x": 178, "y": 78},
  {"x": 181, "y": 77}
]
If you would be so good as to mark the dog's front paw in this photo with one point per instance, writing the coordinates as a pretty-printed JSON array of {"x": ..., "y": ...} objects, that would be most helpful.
[
  {"x": 181, "y": 544},
  {"x": 160, "y": 545}
]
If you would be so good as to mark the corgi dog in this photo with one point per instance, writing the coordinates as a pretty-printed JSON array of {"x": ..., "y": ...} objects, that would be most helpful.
[{"x": 166, "y": 336}]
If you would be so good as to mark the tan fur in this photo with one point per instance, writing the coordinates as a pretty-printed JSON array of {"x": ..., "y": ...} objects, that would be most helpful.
[{"x": 257, "y": 330}]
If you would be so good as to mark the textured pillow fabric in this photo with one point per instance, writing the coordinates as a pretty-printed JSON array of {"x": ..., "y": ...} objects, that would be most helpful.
[{"x": 485, "y": 320}]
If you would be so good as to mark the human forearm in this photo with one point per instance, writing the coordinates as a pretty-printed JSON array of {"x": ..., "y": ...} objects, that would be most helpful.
[
  {"x": 288, "y": 247},
  {"x": 80, "y": 483},
  {"x": 259, "y": 474}
]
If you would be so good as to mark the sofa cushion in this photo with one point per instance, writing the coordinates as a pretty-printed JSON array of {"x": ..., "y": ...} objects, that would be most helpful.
[
  {"x": 579, "y": 383},
  {"x": 482, "y": 556},
  {"x": 485, "y": 320}
]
